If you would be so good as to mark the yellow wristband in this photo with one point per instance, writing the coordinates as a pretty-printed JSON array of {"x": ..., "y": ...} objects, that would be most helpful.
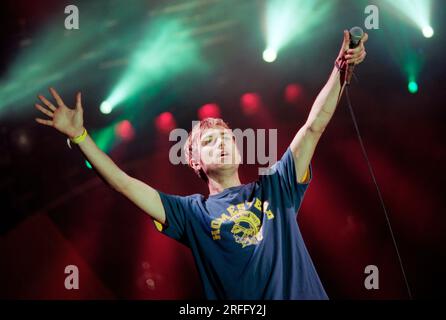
[{"x": 80, "y": 138}]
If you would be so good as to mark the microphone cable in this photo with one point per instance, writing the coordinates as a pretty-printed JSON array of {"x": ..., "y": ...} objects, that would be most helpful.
[{"x": 372, "y": 174}]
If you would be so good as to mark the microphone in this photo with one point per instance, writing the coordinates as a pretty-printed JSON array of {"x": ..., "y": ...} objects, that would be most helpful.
[{"x": 356, "y": 34}]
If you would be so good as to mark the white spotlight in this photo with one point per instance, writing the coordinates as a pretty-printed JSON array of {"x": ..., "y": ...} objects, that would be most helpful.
[
  {"x": 106, "y": 107},
  {"x": 428, "y": 32},
  {"x": 269, "y": 55}
]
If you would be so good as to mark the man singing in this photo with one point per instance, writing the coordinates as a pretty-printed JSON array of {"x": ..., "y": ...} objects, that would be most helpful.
[{"x": 244, "y": 237}]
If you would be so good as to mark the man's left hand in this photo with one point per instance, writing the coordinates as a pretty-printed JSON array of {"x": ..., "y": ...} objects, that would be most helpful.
[{"x": 352, "y": 56}]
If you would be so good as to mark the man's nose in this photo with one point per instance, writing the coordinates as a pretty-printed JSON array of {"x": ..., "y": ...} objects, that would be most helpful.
[{"x": 222, "y": 143}]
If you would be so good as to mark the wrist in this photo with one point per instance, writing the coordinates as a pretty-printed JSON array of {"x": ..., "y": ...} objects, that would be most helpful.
[
  {"x": 76, "y": 133},
  {"x": 80, "y": 138},
  {"x": 341, "y": 64}
]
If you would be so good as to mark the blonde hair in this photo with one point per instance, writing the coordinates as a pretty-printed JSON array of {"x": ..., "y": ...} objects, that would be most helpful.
[{"x": 190, "y": 147}]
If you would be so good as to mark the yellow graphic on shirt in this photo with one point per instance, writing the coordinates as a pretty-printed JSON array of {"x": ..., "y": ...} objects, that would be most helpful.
[{"x": 247, "y": 229}]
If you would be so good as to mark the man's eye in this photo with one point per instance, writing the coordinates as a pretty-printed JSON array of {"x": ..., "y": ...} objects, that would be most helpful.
[{"x": 207, "y": 141}]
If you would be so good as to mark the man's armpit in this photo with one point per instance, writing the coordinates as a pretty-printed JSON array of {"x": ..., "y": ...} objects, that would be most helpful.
[{"x": 306, "y": 176}]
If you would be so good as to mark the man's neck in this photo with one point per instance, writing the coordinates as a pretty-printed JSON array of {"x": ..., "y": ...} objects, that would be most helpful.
[{"x": 219, "y": 183}]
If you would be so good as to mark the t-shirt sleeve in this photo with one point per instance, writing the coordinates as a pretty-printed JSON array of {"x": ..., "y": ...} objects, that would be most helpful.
[
  {"x": 283, "y": 175},
  {"x": 177, "y": 209}
]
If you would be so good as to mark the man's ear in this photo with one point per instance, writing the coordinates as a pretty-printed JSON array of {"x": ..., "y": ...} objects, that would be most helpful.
[{"x": 195, "y": 164}]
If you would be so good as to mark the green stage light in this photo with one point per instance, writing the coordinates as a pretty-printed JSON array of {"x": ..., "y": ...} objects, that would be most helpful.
[
  {"x": 166, "y": 50},
  {"x": 418, "y": 12},
  {"x": 105, "y": 138},
  {"x": 412, "y": 87},
  {"x": 289, "y": 20},
  {"x": 39, "y": 63},
  {"x": 88, "y": 164}
]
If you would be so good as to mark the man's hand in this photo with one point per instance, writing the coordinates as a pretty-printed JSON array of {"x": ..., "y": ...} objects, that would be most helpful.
[
  {"x": 70, "y": 122},
  {"x": 66, "y": 120},
  {"x": 306, "y": 139},
  {"x": 352, "y": 56}
]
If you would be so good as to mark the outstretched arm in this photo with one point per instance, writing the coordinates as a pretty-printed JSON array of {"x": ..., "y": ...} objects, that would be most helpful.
[
  {"x": 70, "y": 122},
  {"x": 306, "y": 139}
]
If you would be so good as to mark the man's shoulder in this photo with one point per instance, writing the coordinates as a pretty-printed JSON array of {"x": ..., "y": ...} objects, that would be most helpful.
[
  {"x": 180, "y": 197},
  {"x": 195, "y": 197}
]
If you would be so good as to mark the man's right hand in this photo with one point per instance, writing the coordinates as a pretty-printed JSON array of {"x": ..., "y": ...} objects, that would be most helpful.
[
  {"x": 70, "y": 122},
  {"x": 66, "y": 120}
]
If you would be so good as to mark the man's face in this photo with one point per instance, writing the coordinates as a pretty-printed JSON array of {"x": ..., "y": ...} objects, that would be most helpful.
[{"x": 218, "y": 150}]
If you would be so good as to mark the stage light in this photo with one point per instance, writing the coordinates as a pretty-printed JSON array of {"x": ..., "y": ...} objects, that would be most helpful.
[
  {"x": 412, "y": 86},
  {"x": 287, "y": 21},
  {"x": 105, "y": 138},
  {"x": 40, "y": 64},
  {"x": 165, "y": 122},
  {"x": 269, "y": 55},
  {"x": 88, "y": 164},
  {"x": 209, "y": 110},
  {"x": 293, "y": 92},
  {"x": 152, "y": 63},
  {"x": 22, "y": 140},
  {"x": 125, "y": 131},
  {"x": 106, "y": 107},
  {"x": 417, "y": 12},
  {"x": 251, "y": 103},
  {"x": 428, "y": 32}
]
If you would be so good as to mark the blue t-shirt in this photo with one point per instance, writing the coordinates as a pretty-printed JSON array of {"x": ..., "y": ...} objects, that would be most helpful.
[{"x": 245, "y": 240}]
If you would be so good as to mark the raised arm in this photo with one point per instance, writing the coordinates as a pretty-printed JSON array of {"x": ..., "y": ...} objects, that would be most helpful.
[
  {"x": 306, "y": 139},
  {"x": 70, "y": 122}
]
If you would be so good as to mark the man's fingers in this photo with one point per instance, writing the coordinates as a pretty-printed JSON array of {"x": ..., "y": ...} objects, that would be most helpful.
[
  {"x": 78, "y": 101},
  {"x": 356, "y": 55},
  {"x": 346, "y": 42},
  {"x": 45, "y": 122},
  {"x": 361, "y": 59},
  {"x": 47, "y": 103},
  {"x": 57, "y": 97},
  {"x": 356, "y": 50},
  {"x": 44, "y": 110},
  {"x": 356, "y": 60},
  {"x": 364, "y": 38}
]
